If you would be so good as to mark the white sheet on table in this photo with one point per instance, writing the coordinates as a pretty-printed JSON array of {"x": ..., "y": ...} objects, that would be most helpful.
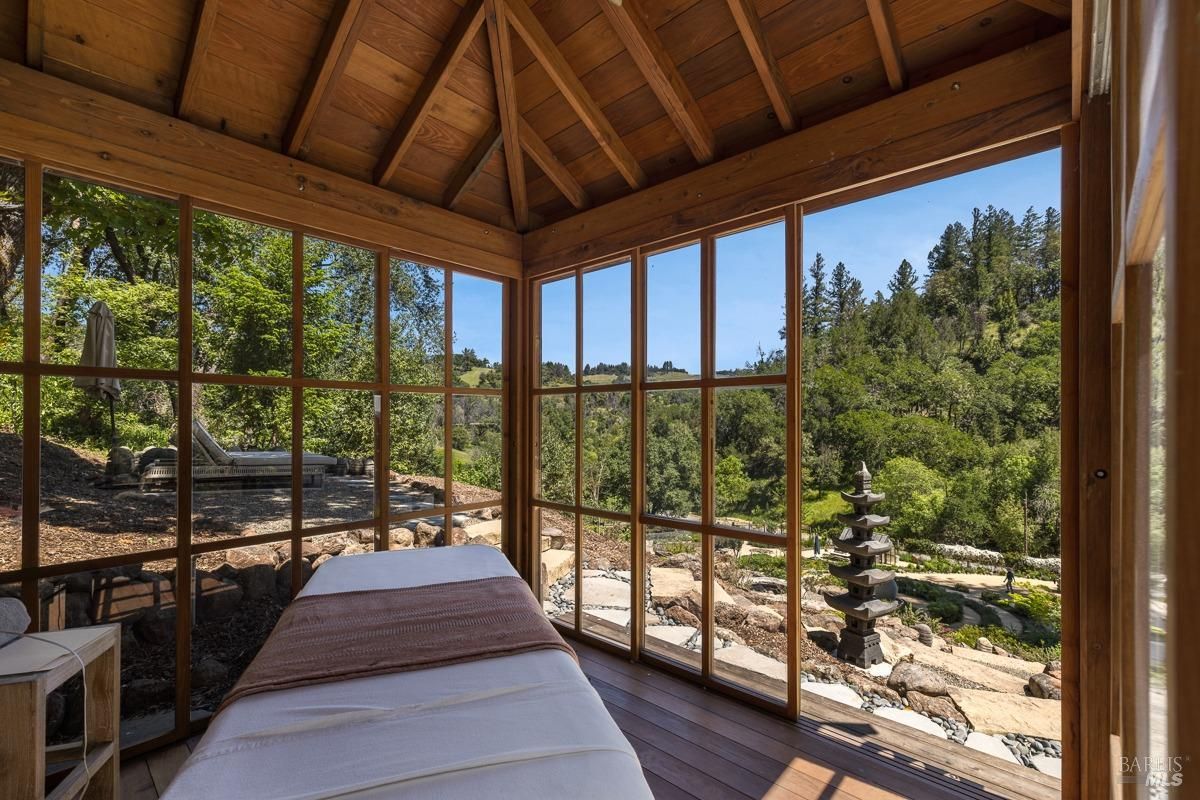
[{"x": 524, "y": 726}]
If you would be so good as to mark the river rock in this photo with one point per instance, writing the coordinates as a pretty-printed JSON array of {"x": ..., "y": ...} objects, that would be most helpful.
[
  {"x": 924, "y": 634},
  {"x": 983, "y": 644}
]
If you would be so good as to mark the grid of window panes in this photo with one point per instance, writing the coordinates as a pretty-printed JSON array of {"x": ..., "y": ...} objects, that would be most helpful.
[
  {"x": 707, "y": 364},
  {"x": 390, "y": 422}
]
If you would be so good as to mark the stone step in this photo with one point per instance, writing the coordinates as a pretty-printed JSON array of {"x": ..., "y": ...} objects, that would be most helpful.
[{"x": 996, "y": 712}]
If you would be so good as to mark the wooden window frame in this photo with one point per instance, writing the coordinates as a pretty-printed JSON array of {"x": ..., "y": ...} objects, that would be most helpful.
[
  {"x": 31, "y": 371},
  {"x": 707, "y": 384}
]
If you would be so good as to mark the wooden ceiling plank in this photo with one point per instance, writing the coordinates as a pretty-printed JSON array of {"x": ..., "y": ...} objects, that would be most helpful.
[
  {"x": 500, "y": 42},
  {"x": 889, "y": 44},
  {"x": 546, "y": 52},
  {"x": 663, "y": 77},
  {"x": 456, "y": 44},
  {"x": 750, "y": 26},
  {"x": 549, "y": 163},
  {"x": 1017, "y": 95},
  {"x": 1055, "y": 8},
  {"x": 203, "y": 22},
  {"x": 35, "y": 25},
  {"x": 328, "y": 65},
  {"x": 474, "y": 164}
]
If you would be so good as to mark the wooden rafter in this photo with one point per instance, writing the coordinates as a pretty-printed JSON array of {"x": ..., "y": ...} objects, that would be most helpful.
[
  {"x": 469, "y": 170},
  {"x": 500, "y": 41},
  {"x": 663, "y": 77},
  {"x": 750, "y": 26},
  {"x": 889, "y": 44},
  {"x": 456, "y": 44},
  {"x": 555, "y": 170},
  {"x": 203, "y": 21},
  {"x": 1055, "y": 8},
  {"x": 543, "y": 48},
  {"x": 35, "y": 33},
  {"x": 330, "y": 61}
]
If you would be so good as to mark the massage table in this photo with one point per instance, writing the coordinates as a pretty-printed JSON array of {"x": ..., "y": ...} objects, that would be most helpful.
[{"x": 516, "y": 726}]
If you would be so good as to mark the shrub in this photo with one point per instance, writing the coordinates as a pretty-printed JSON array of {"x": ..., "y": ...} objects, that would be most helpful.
[
  {"x": 763, "y": 564},
  {"x": 924, "y": 546},
  {"x": 946, "y": 609}
]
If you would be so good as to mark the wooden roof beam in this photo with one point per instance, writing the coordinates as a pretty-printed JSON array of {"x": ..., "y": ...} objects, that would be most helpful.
[
  {"x": 203, "y": 20},
  {"x": 660, "y": 72},
  {"x": 750, "y": 26},
  {"x": 555, "y": 170},
  {"x": 469, "y": 170},
  {"x": 500, "y": 42},
  {"x": 35, "y": 33},
  {"x": 328, "y": 65},
  {"x": 889, "y": 44},
  {"x": 453, "y": 48},
  {"x": 1055, "y": 8},
  {"x": 543, "y": 48}
]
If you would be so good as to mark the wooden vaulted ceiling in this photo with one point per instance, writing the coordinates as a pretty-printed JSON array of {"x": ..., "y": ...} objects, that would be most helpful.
[{"x": 511, "y": 112}]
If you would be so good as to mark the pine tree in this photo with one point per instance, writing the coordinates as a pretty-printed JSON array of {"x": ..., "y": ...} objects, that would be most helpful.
[
  {"x": 904, "y": 281},
  {"x": 839, "y": 292},
  {"x": 816, "y": 303}
]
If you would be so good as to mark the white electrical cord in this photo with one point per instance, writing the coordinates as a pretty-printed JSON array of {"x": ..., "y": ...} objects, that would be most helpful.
[{"x": 83, "y": 676}]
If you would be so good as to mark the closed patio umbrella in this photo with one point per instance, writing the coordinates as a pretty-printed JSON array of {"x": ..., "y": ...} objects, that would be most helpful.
[{"x": 100, "y": 350}]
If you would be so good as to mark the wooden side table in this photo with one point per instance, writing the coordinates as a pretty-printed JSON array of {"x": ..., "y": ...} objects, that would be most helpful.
[{"x": 30, "y": 670}]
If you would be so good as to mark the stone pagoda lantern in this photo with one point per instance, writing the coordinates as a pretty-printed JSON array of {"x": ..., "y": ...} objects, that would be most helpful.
[{"x": 859, "y": 643}]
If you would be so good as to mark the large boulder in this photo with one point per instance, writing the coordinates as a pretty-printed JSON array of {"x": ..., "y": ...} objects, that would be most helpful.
[
  {"x": 894, "y": 651},
  {"x": 141, "y": 693},
  {"x": 935, "y": 706},
  {"x": 426, "y": 535},
  {"x": 1045, "y": 686},
  {"x": 729, "y": 615},
  {"x": 216, "y": 598},
  {"x": 157, "y": 626},
  {"x": 683, "y": 616},
  {"x": 766, "y": 618},
  {"x": 253, "y": 568},
  {"x": 691, "y": 600},
  {"x": 209, "y": 672},
  {"x": 283, "y": 578},
  {"x": 667, "y": 583},
  {"x": 909, "y": 677}
]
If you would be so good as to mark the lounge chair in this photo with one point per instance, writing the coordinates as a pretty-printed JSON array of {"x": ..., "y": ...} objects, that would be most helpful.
[{"x": 254, "y": 468}]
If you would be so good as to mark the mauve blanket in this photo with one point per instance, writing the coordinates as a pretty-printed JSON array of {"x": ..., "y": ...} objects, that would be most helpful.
[{"x": 334, "y": 637}]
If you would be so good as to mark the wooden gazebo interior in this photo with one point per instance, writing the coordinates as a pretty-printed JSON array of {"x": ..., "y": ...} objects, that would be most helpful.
[{"x": 522, "y": 141}]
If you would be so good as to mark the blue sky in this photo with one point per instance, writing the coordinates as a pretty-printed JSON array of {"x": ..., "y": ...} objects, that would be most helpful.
[
  {"x": 870, "y": 236},
  {"x": 478, "y": 308}
]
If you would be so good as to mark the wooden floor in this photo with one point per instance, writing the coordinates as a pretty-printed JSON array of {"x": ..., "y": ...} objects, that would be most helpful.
[{"x": 696, "y": 744}]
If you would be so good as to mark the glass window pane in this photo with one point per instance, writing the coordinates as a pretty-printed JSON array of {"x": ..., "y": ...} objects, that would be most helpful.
[
  {"x": 606, "y": 451},
  {"x": 751, "y": 301},
  {"x": 606, "y": 325},
  {"x": 1158, "y": 706},
  {"x": 673, "y": 595},
  {"x": 556, "y": 532},
  {"x": 242, "y": 297},
  {"x": 239, "y": 594},
  {"x": 556, "y": 448},
  {"x": 11, "y": 476},
  {"x": 607, "y": 588},
  {"x": 485, "y": 526},
  {"x": 339, "y": 447},
  {"x": 673, "y": 314},
  {"x": 478, "y": 448},
  {"x": 104, "y": 245},
  {"x": 418, "y": 314},
  {"x": 673, "y": 453},
  {"x": 750, "y": 480},
  {"x": 418, "y": 444},
  {"x": 478, "y": 331},
  {"x": 558, "y": 332},
  {"x": 12, "y": 260},
  {"x": 141, "y": 598},
  {"x": 424, "y": 532},
  {"x": 105, "y": 492},
  {"x": 242, "y": 461},
  {"x": 750, "y": 613},
  {"x": 339, "y": 311}
]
